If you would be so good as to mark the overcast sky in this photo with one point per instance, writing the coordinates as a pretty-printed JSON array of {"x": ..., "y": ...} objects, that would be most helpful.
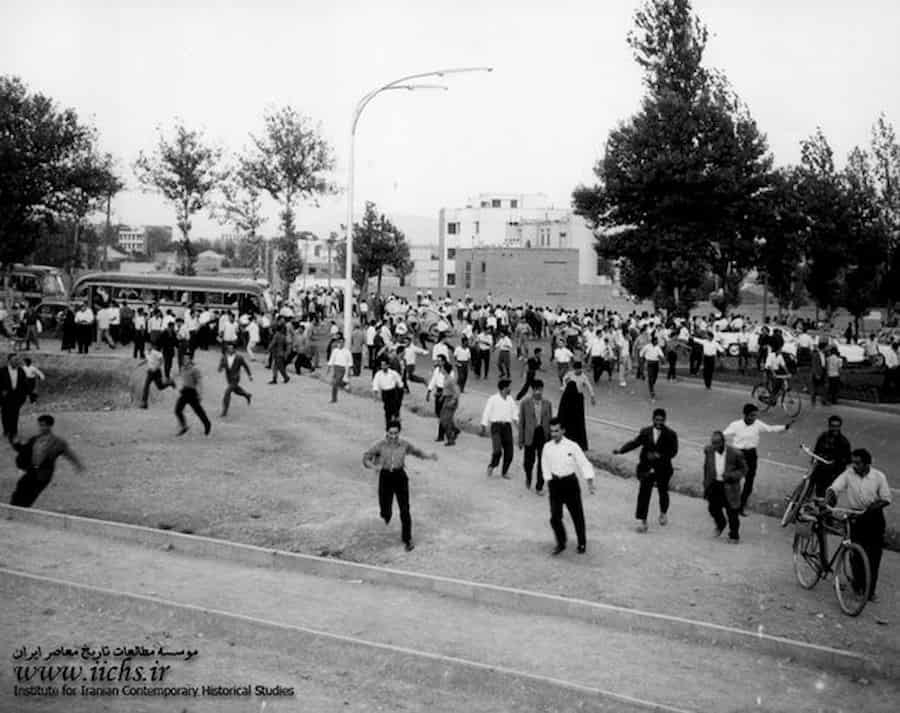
[{"x": 563, "y": 77}]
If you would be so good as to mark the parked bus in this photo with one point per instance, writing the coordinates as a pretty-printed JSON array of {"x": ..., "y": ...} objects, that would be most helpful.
[
  {"x": 171, "y": 292},
  {"x": 32, "y": 284}
]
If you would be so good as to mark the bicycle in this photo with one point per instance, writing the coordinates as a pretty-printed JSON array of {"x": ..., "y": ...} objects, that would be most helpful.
[
  {"x": 788, "y": 400},
  {"x": 804, "y": 488},
  {"x": 849, "y": 565}
]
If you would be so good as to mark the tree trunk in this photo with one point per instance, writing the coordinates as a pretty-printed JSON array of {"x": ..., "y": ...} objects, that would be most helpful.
[{"x": 378, "y": 284}]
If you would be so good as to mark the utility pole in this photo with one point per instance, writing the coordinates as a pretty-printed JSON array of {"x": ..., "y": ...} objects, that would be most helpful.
[{"x": 106, "y": 235}]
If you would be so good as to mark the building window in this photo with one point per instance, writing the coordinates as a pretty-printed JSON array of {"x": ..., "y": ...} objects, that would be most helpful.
[
  {"x": 485, "y": 204},
  {"x": 452, "y": 228},
  {"x": 451, "y": 253},
  {"x": 527, "y": 243},
  {"x": 483, "y": 267},
  {"x": 477, "y": 227},
  {"x": 317, "y": 251},
  {"x": 495, "y": 203},
  {"x": 451, "y": 279},
  {"x": 514, "y": 203},
  {"x": 311, "y": 270}
]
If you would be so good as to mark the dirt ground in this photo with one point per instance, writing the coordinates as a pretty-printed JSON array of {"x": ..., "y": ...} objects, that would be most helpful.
[{"x": 286, "y": 473}]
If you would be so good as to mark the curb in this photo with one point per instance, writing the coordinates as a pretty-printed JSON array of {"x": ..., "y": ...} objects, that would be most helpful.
[
  {"x": 417, "y": 668},
  {"x": 611, "y": 464},
  {"x": 620, "y": 618}
]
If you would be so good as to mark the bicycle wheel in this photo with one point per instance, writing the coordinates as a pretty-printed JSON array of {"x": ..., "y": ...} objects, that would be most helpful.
[
  {"x": 791, "y": 403},
  {"x": 761, "y": 395},
  {"x": 807, "y": 563},
  {"x": 852, "y": 578},
  {"x": 797, "y": 498}
]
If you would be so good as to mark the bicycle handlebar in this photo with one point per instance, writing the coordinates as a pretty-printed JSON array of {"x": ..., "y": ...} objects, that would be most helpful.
[
  {"x": 845, "y": 512},
  {"x": 812, "y": 454}
]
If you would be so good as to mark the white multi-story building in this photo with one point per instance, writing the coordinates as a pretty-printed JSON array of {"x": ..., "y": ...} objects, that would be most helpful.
[
  {"x": 492, "y": 220},
  {"x": 133, "y": 240}
]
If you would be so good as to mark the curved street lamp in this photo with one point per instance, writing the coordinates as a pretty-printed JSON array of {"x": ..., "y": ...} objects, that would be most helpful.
[{"x": 401, "y": 83}]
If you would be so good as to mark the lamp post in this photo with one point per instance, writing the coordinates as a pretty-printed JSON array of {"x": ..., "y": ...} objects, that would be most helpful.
[{"x": 401, "y": 83}]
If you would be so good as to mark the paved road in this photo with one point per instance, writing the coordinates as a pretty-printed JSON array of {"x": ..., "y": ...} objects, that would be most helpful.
[
  {"x": 687, "y": 675},
  {"x": 694, "y": 412}
]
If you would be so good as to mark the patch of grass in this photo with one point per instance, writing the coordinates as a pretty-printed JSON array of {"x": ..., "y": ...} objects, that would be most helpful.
[{"x": 83, "y": 384}]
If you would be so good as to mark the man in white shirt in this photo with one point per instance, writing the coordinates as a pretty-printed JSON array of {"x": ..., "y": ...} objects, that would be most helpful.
[
  {"x": 103, "y": 322},
  {"x": 561, "y": 462},
  {"x": 744, "y": 435},
  {"x": 711, "y": 349},
  {"x": 462, "y": 355},
  {"x": 84, "y": 328},
  {"x": 504, "y": 349},
  {"x": 500, "y": 413},
  {"x": 868, "y": 490},
  {"x": 340, "y": 362},
  {"x": 389, "y": 384},
  {"x": 562, "y": 355}
]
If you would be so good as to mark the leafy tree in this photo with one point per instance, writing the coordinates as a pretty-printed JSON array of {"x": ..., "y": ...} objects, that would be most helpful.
[
  {"x": 781, "y": 244},
  {"x": 377, "y": 243},
  {"x": 680, "y": 180},
  {"x": 867, "y": 235},
  {"x": 241, "y": 207},
  {"x": 290, "y": 161},
  {"x": 50, "y": 170},
  {"x": 885, "y": 155},
  {"x": 823, "y": 205},
  {"x": 185, "y": 170},
  {"x": 159, "y": 239}
]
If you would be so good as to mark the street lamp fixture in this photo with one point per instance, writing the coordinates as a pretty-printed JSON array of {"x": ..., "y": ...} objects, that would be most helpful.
[{"x": 409, "y": 83}]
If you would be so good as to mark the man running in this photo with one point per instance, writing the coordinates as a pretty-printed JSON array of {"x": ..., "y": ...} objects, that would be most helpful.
[
  {"x": 232, "y": 363},
  {"x": 37, "y": 457},
  {"x": 388, "y": 455}
]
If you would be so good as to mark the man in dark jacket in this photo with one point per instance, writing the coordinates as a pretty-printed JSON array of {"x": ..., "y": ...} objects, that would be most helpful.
[
  {"x": 37, "y": 457},
  {"x": 833, "y": 446},
  {"x": 13, "y": 392},
  {"x": 232, "y": 363},
  {"x": 724, "y": 468},
  {"x": 659, "y": 445}
]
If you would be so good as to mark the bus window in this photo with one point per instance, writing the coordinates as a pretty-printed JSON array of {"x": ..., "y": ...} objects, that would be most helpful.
[
  {"x": 249, "y": 304},
  {"x": 214, "y": 299},
  {"x": 198, "y": 297},
  {"x": 53, "y": 285},
  {"x": 230, "y": 299}
]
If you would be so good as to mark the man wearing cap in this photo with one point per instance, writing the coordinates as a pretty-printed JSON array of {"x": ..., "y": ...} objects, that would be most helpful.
[
  {"x": 340, "y": 362},
  {"x": 500, "y": 413}
]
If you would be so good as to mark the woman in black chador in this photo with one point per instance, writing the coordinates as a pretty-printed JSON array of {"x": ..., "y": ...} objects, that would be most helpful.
[{"x": 571, "y": 415}]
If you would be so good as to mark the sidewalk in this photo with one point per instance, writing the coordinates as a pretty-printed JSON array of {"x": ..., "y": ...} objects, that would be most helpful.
[{"x": 685, "y": 675}]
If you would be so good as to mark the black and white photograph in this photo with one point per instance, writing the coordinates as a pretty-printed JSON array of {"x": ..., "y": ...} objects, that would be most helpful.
[{"x": 474, "y": 357}]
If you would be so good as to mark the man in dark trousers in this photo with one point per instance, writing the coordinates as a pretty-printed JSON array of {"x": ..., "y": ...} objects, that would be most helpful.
[
  {"x": 500, "y": 413},
  {"x": 659, "y": 445},
  {"x": 535, "y": 413},
  {"x": 232, "y": 363},
  {"x": 37, "y": 457},
  {"x": 13, "y": 393},
  {"x": 866, "y": 489},
  {"x": 168, "y": 344},
  {"x": 723, "y": 469},
  {"x": 562, "y": 461},
  {"x": 532, "y": 366},
  {"x": 833, "y": 446},
  {"x": 388, "y": 384},
  {"x": 190, "y": 396},
  {"x": 388, "y": 455}
]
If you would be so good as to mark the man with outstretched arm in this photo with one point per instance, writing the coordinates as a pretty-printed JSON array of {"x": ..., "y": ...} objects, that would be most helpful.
[{"x": 388, "y": 455}]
